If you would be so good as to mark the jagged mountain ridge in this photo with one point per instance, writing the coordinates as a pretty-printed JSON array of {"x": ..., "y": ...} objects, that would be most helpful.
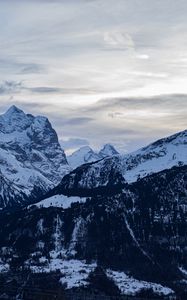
[
  {"x": 31, "y": 158},
  {"x": 162, "y": 154},
  {"x": 86, "y": 155}
]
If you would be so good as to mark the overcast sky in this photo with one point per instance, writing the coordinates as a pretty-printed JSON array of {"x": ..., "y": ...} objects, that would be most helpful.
[{"x": 100, "y": 70}]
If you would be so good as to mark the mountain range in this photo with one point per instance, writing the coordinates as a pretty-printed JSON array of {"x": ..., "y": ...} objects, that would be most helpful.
[
  {"x": 114, "y": 225},
  {"x": 86, "y": 155},
  {"x": 160, "y": 155}
]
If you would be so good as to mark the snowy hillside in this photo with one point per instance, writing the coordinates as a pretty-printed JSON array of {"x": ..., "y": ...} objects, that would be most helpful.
[
  {"x": 131, "y": 235},
  {"x": 31, "y": 159}
]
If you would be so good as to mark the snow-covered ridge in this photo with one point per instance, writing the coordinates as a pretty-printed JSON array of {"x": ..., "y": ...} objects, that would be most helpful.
[
  {"x": 30, "y": 154},
  {"x": 86, "y": 155},
  {"x": 163, "y": 154},
  {"x": 160, "y": 155}
]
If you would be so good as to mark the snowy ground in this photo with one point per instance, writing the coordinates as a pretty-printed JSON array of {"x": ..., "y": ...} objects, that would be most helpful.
[
  {"x": 59, "y": 201},
  {"x": 184, "y": 271},
  {"x": 130, "y": 286},
  {"x": 4, "y": 267},
  {"x": 75, "y": 274}
]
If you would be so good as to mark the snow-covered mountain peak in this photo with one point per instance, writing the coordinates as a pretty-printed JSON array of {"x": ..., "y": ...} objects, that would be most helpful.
[
  {"x": 30, "y": 153},
  {"x": 108, "y": 150},
  {"x": 14, "y": 120},
  {"x": 13, "y": 110},
  {"x": 81, "y": 156},
  {"x": 86, "y": 155}
]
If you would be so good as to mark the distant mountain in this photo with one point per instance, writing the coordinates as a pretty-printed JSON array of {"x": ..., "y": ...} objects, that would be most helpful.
[
  {"x": 160, "y": 155},
  {"x": 31, "y": 158},
  {"x": 81, "y": 156},
  {"x": 87, "y": 155}
]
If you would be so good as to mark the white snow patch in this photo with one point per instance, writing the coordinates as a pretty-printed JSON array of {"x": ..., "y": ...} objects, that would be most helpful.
[
  {"x": 131, "y": 286},
  {"x": 40, "y": 226},
  {"x": 78, "y": 234},
  {"x": 59, "y": 201},
  {"x": 74, "y": 272},
  {"x": 4, "y": 267},
  {"x": 184, "y": 271}
]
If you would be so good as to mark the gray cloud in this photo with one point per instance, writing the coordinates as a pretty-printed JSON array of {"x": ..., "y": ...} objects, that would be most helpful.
[
  {"x": 99, "y": 65},
  {"x": 8, "y": 87},
  {"x": 161, "y": 102},
  {"x": 32, "y": 69},
  {"x": 77, "y": 121},
  {"x": 44, "y": 90},
  {"x": 11, "y": 86}
]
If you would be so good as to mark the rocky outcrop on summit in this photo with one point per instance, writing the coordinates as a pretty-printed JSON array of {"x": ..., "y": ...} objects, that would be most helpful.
[
  {"x": 108, "y": 150},
  {"x": 31, "y": 158}
]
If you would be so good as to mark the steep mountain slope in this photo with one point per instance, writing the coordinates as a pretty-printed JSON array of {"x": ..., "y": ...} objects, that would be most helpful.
[
  {"x": 161, "y": 155},
  {"x": 87, "y": 155},
  {"x": 31, "y": 159},
  {"x": 138, "y": 232}
]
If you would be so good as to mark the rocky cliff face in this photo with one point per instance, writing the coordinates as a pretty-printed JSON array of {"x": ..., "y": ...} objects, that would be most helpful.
[{"x": 31, "y": 159}]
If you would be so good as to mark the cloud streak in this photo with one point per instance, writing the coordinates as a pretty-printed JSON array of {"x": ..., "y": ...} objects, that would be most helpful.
[{"x": 97, "y": 68}]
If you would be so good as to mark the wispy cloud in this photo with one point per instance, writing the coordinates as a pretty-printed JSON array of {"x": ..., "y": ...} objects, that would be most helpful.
[
  {"x": 9, "y": 87},
  {"x": 71, "y": 144},
  {"x": 77, "y": 121},
  {"x": 118, "y": 40},
  {"x": 96, "y": 64}
]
